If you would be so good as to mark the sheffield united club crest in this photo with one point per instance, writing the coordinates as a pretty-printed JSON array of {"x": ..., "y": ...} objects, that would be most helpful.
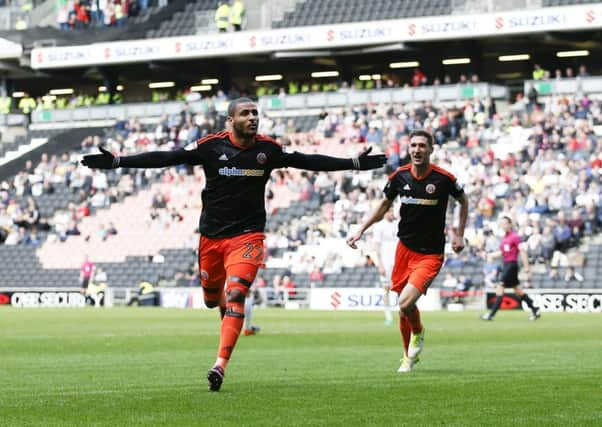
[{"x": 262, "y": 158}]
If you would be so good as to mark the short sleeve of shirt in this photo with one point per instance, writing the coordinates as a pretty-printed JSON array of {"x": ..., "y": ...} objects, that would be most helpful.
[
  {"x": 196, "y": 153},
  {"x": 279, "y": 158},
  {"x": 390, "y": 190},
  {"x": 517, "y": 240},
  {"x": 456, "y": 189}
]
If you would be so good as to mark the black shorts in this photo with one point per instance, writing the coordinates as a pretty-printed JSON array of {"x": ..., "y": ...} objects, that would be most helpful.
[
  {"x": 85, "y": 282},
  {"x": 510, "y": 274}
]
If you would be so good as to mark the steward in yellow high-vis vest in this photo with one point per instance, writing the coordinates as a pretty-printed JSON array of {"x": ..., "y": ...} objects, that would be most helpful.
[
  {"x": 237, "y": 14},
  {"x": 222, "y": 15}
]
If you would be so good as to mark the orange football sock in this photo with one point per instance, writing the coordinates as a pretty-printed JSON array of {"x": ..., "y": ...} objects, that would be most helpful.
[
  {"x": 406, "y": 332},
  {"x": 414, "y": 319},
  {"x": 231, "y": 326},
  {"x": 239, "y": 279}
]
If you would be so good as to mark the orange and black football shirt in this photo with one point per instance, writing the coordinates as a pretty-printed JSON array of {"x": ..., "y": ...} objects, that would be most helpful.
[
  {"x": 236, "y": 176},
  {"x": 233, "y": 198},
  {"x": 234, "y": 195},
  {"x": 423, "y": 206}
]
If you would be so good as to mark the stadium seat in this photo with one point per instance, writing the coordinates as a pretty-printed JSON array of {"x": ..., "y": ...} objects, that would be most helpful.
[{"x": 330, "y": 12}]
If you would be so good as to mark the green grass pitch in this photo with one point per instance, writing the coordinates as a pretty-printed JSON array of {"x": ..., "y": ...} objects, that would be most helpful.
[{"x": 141, "y": 366}]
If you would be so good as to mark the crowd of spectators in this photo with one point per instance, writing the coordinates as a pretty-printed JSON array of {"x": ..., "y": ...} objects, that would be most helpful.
[
  {"x": 83, "y": 14},
  {"x": 21, "y": 221},
  {"x": 386, "y": 81},
  {"x": 539, "y": 163},
  {"x": 402, "y": 79},
  {"x": 540, "y": 73}
]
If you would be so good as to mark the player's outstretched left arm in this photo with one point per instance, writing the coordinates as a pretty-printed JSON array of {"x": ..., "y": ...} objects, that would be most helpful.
[
  {"x": 319, "y": 162},
  {"x": 151, "y": 159}
]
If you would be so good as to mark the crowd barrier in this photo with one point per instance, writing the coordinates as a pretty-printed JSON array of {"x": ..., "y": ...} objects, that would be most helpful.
[
  {"x": 12, "y": 120},
  {"x": 576, "y": 86}
]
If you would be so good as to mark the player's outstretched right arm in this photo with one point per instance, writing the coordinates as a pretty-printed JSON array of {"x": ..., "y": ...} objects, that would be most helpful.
[
  {"x": 318, "y": 162},
  {"x": 152, "y": 159}
]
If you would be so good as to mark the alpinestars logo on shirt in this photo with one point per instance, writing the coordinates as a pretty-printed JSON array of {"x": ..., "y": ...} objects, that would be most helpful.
[
  {"x": 240, "y": 172},
  {"x": 416, "y": 201}
]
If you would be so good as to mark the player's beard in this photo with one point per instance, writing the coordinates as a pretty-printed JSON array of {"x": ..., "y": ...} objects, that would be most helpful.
[{"x": 245, "y": 131}]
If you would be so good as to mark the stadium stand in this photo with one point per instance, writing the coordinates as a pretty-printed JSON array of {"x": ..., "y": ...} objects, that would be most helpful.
[
  {"x": 21, "y": 141},
  {"x": 131, "y": 267},
  {"x": 137, "y": 27},
  {"x": 13, "y": 146},
  {"x": 76, "y": 205},
  {"x": 316, "y": 12},
  {"x": 24, "y": 151},
  {"x": 538, "y": 160},
  {"x": 196, "y": 16},
  {"x": 552, "y": 3},
  {"x": 526, "y": 209}
]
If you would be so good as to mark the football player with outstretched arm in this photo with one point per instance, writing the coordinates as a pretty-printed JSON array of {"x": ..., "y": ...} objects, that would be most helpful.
[{"x": 237, "y": 165}]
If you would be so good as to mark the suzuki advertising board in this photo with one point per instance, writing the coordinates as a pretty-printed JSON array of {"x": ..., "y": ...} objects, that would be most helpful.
[
  {"x": 577, "y": 17},
  {"x": 366, "y": 299}
]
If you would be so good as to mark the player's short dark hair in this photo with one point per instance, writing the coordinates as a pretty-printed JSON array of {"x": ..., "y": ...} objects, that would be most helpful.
[
  {"x": 507, "y": 218},
  {"x": 235, "y": 102},
  {"x": 425, "y": 134}
]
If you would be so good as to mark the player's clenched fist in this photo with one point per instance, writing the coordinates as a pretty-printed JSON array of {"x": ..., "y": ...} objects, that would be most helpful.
[{"x": 458, "y": 244}]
